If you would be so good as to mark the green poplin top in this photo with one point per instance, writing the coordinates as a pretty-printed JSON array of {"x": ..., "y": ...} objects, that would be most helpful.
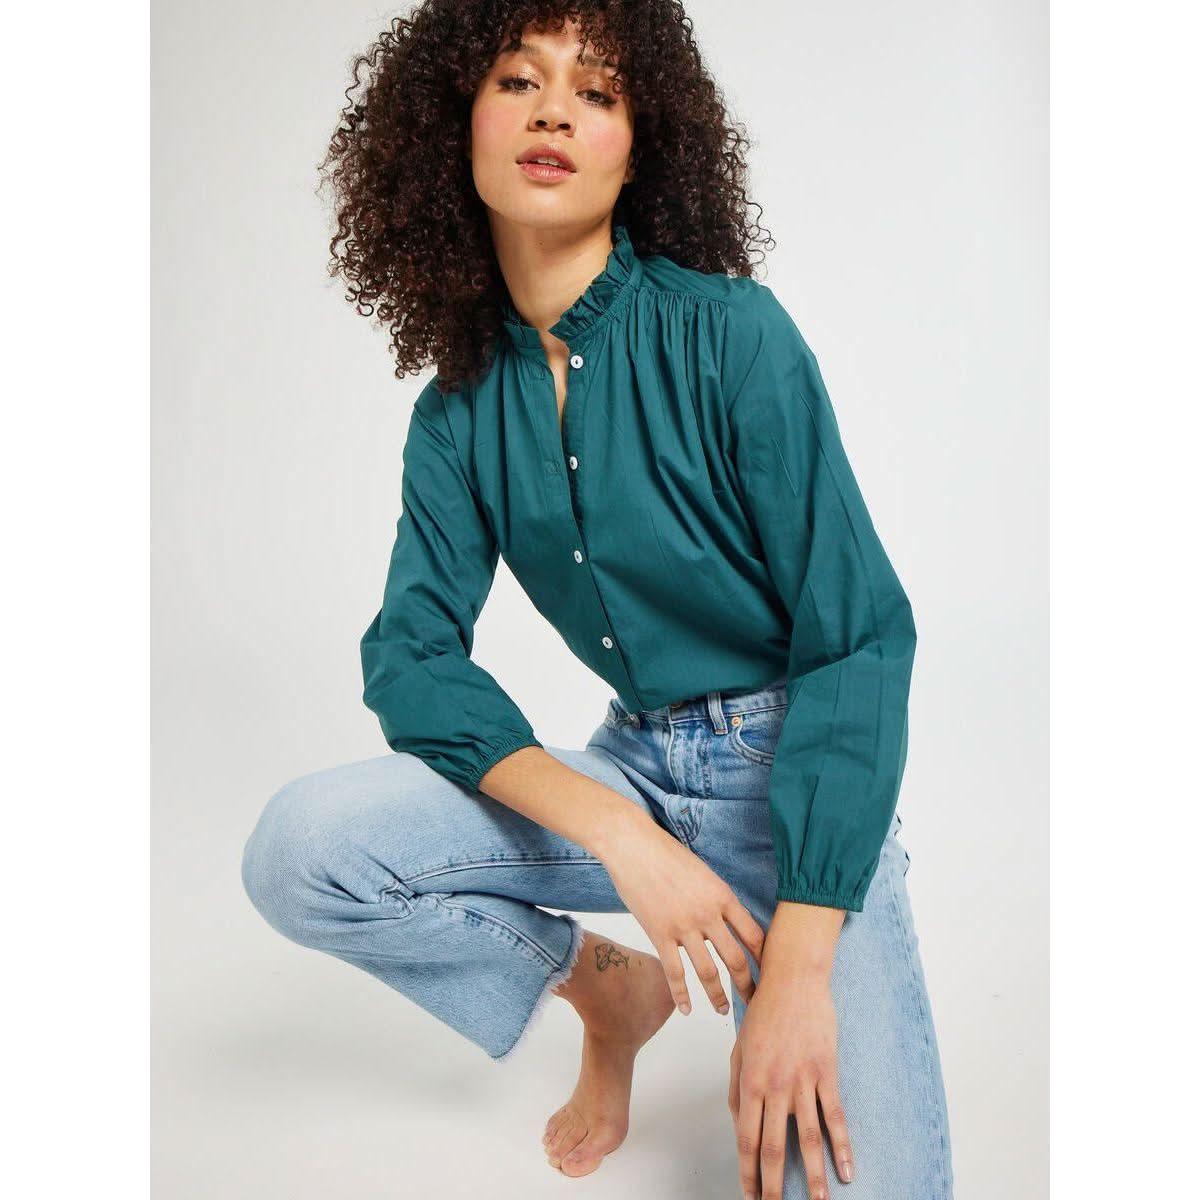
[{"x": 693, "y": 525}]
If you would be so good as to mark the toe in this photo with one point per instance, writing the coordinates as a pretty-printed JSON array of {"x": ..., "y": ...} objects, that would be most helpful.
[
  {"x": 581, "y": 1161},
  {"x": 560, "y": 1126},
  {"x": 589, "y": 1153},
  {"x": 568, "y": 1135},
  {"x": 551, "y": 1126}
]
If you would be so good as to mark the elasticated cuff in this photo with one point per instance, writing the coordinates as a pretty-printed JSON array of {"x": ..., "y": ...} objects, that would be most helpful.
[
  {"x": 503, "y": 750},
  {"x": 800, "y": 894}
]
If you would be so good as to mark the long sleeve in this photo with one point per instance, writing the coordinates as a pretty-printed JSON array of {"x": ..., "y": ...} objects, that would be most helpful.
[
  {"x": 431, "y": 699},
  {"x": 835, "y": 779}
]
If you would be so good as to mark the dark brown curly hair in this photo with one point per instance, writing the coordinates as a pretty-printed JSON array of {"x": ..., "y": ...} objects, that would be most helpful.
[{"x": 413, "y": 242}]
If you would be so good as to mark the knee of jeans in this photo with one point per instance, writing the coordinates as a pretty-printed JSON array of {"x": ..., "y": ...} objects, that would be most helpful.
[{"x": 284, "y": 858}]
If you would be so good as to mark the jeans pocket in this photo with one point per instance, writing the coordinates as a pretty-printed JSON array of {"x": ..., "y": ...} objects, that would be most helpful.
[
  {"x": 754, "y": 735},
  {"x": 618, "y": 716}
]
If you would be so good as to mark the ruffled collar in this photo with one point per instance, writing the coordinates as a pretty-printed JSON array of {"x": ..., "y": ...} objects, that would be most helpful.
[{"x": 605, "y": 297}]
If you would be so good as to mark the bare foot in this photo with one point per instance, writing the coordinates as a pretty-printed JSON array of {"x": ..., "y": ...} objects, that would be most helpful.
[{"x": 623, "y": 998}]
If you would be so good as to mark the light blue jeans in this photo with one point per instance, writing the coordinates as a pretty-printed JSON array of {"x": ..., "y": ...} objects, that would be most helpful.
[{"x": 435, "y": 890}]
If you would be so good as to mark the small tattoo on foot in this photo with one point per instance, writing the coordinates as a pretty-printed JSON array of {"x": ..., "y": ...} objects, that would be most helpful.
[{"x": 607, "y": 955}]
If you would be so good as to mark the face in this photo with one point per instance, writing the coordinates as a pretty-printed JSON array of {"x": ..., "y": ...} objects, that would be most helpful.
[{"x": 541, "y": 95}]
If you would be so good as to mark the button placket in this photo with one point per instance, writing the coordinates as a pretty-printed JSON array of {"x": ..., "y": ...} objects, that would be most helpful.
[{"x": 570, "y": 424}]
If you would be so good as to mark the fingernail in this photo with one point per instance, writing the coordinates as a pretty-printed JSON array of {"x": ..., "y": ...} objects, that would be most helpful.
[
  {"x": 685, "y": 1008},
  {"x": 724, "y": 1008},
  {"x": 848, "y": 1170}
]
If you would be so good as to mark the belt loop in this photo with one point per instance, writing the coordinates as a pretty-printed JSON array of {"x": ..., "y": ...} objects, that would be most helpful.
[{"x": 716, "y": 713}]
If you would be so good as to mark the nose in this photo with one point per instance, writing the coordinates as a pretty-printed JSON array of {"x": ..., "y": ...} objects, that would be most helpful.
[{"x": 551, "y": 112}]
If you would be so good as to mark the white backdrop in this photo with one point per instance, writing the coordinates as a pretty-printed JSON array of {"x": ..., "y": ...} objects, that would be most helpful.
[{"x": 900, "y": 156}]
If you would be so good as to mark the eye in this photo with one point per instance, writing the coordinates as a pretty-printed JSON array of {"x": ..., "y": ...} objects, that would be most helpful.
[
  {"x": 517, "y": 85},
  {"x": 604, "y": 101}
]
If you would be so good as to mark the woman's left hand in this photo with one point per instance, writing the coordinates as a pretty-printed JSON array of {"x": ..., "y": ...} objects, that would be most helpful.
[{"x": 785, "y": 1061}]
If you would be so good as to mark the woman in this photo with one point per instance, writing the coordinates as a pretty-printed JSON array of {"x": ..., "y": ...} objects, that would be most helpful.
[{"x": 555, "y": 212}]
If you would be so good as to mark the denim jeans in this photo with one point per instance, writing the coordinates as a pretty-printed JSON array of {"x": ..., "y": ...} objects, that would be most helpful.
[{"x": 435, "y": 890}]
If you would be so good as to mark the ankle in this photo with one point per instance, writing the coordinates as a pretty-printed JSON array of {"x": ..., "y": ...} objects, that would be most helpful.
[
  {"x": 579, "y": 988},
  {"x": 602, "y": 985}
]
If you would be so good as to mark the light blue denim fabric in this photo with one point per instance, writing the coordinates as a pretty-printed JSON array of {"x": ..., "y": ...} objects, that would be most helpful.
[{"x": 435, "y": 890}]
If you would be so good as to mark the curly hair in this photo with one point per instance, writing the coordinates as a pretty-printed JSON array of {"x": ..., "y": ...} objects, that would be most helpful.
[{"x": 412, "y": 240}]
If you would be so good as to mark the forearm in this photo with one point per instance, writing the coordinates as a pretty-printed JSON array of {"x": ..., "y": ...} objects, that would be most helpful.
[
  {"x": 537, "y": 785},
  {"x": 802, "y": 938}
]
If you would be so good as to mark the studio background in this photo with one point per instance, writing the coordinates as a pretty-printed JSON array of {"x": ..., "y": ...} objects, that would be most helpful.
[{"x": 900, "y": 157}]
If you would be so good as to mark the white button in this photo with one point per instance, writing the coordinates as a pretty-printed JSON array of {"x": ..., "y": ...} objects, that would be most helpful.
[
  {"x": 607, "y": 642},
  {"x": 577, "y": 361},
  {"x": 578, "y": 556},
  {"x": 573, "y": 461}
]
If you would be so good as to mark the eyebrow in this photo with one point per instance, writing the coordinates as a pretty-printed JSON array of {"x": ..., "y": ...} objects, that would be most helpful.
[{"x": 589, "y": 60}]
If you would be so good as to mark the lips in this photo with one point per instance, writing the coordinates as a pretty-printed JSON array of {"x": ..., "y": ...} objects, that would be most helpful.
[{"x": 544, "y": 150}]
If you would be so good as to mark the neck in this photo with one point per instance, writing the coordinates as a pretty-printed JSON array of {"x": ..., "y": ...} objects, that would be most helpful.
[{"x": 547, "y": 270}]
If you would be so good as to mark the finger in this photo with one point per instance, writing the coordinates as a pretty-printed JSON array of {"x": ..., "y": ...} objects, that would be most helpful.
[
  {"x": 835, "y": 1122},
  {"x": 706, "y": 970},
  {"x": 774, "y": 1145},
  {"x": 676, "y": 979},
  {"x": 812, "y": 1143},
  {"x": 748, "y": 1128},
  {"x": 746, "y": 927},
  {"x": 734, "y": 958},
  {"x": 735, "y": 1079}
]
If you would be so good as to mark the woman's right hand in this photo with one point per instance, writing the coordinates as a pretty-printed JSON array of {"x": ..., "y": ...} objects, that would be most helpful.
[{"x": 680, "y": 901}]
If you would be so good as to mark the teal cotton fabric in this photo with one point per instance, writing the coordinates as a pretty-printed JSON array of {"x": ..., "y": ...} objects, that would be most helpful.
[{"x": 694, "y": 525}]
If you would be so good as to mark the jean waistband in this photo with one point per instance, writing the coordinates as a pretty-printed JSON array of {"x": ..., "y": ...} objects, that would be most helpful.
[{"x": 717, "y": 705}]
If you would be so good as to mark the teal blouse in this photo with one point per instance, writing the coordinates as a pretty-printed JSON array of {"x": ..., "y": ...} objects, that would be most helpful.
[{"x": 693, "y": 525}]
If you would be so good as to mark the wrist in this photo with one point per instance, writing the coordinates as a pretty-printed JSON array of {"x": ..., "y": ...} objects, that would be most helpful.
[
  {"x": 617, "y": 822},
  {"x": 802, "y": 939},
  {"x": 795, "y": 964}
]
